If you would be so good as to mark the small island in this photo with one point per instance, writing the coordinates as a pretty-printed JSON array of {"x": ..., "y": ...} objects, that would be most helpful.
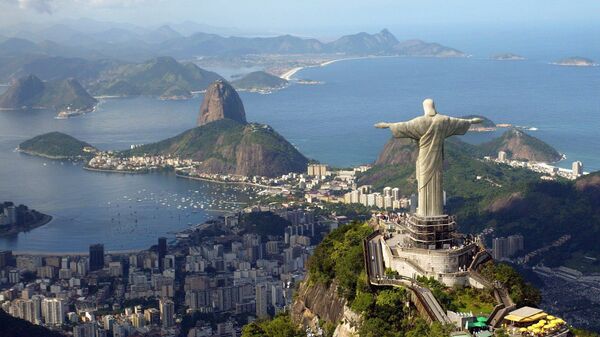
[
  {"x": 575, "y": 62},
  {"x": 15, "y": 219},
  {"x": 259, "y": 81},
  {"x": 57, "y": 145},
  {"x": 507, "y": 57}
]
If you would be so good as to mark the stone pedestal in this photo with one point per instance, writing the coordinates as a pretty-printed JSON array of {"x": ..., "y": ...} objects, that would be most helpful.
[
  {"x": 431, "y": 232},
  {"x": 430, "y": 247}
]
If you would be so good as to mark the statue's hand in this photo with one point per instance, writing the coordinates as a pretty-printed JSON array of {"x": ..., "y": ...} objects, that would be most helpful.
[
  {"x": 476, "y": 120},
  {"x": 382, "y": 125}
]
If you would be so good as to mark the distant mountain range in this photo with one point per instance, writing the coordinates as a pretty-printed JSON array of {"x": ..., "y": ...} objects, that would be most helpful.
[
  {"x": 31, "y": 92},
  {"x": 134, "y": 45}
]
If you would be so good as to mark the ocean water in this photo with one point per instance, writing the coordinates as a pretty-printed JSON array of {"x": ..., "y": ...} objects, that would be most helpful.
[{"x": 331, "y": 122}]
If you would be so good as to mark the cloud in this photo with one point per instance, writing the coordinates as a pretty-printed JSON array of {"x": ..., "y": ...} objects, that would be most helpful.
[
  {"x": 48, "y": 6},
  {"x": 40, "y": 6}
]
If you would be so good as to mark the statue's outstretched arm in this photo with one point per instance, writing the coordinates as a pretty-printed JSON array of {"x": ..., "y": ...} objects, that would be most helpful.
[{"x": 382, "y": 125}]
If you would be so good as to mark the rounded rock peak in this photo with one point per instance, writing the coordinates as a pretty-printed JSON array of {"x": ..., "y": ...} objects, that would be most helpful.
[{"x": 221, "y": 101}]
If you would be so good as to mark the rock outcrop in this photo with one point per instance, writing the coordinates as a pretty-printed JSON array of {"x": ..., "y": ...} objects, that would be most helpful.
[
  {"x": 398, "y": 151},
  {"x": 221, "y": 101},
  {"x": 315, "y": 303}
]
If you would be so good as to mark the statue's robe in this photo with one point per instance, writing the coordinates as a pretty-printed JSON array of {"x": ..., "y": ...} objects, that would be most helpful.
[{"x": 430, "y": 132}]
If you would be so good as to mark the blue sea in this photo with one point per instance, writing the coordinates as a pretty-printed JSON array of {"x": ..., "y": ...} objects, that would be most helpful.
[{"x": 331, "y": 122}]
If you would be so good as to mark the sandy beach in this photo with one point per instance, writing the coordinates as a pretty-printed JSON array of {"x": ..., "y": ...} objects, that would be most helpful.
[{"x": 288, "y": 75}]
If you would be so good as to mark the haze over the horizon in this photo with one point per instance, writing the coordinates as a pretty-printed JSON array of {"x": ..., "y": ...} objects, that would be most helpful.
[
  {"x": 306, "y": 16},
  {"x": 556, "y": 27}
]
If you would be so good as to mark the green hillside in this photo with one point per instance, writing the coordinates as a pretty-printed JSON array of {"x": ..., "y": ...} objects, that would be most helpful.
[
  {"x": 227, "y": 146},
  {"x": 466, "y": 193},
  {"x": 521, "y": 146},
  {"x": 156, "y": 77}
]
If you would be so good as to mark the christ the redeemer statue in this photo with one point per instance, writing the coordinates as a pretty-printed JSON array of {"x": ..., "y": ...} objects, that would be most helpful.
[{"x": 430, "y": 131}]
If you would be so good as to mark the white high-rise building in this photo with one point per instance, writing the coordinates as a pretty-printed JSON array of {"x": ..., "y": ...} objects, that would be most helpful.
[
  {"x": 317, "y": 170},
  {"x": 501, "y": 156},
  {"x": 138, "y": 320},
  {"x": 378, "y": 200},
  {"x": 396, "y": 193},
  {"x": 53, "y": 310},
  {"x": 364, "y": 200},
  {"x": 388, "y": 202},
  {"x": 387, "y": 191},
  {"x": 577, "y": 168},
  {"x": 355, "y": 196}
]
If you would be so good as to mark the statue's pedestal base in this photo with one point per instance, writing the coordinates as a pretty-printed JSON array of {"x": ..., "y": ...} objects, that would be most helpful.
[
  {"x": 431, "y": 232},
  {"x": 430, "y": 247}
]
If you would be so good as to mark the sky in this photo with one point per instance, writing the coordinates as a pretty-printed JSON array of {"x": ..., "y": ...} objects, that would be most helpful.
[
  {"x": 544, "y": 28},
  {"x": 309, "y": 16}
]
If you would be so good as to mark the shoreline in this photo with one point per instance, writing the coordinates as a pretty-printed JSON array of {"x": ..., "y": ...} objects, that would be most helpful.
[
  {"x": 225, "y": 182},
  {"x": 112, "y": 171},
  {"x": 45, "y": 156},
  {"x": 288, "y": 75},
  {"x": 56, "y": 253},
  {"x": 26, "y": 228}
]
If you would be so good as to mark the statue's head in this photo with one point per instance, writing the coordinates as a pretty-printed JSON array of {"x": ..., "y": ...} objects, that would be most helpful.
[{"x": 429, "y": 107}]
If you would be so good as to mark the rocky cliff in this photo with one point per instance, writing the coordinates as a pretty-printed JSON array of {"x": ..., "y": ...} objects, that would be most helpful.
[
  {"x": 398, "y": 151},
  {"x": 316, "y": 304},
  {"x": 221, "y": 101}
]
